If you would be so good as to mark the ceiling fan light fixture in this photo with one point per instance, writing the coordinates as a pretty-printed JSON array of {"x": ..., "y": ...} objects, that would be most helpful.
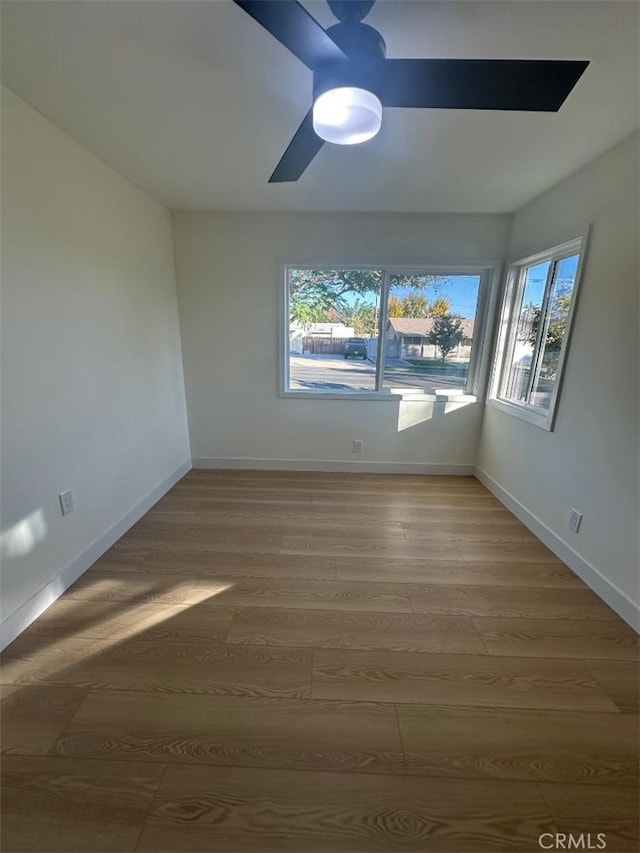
[{"x": 347, "y": 115}]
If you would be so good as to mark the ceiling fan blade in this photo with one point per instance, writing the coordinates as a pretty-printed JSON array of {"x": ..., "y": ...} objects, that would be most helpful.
[
  {"x": 295, "y": 28},
  {"x": 480, "y": 84},
  {"x": 300, "y": 152}
]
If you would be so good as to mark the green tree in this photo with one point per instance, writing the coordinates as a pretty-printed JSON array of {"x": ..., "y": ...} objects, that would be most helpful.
[
  {"x": 304, "y": 313},
  {"x": 335, "y": 284},
  {"x": 394, "y": 308},
  {"x": 363, "y": 317},
  {"x": 318, "y": 296},
  {"x": 414, "y": 305},
  {"x": 332, "y": 285},
  {"x": 559, "y": 311},
  {"x": 417, "y": 305},
  {"x": 440, "y": 306},
  {"x": 446, "y": 333}
]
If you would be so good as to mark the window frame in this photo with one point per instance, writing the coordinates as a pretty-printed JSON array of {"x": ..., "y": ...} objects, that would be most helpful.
[
  {"x": 513, "y": 290},
  {"x": 479, "y": 362}
]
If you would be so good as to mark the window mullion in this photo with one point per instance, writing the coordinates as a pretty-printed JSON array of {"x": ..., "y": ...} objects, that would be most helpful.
[
  {"x": 513, "y": 302},
  {"x": 477, "y": 348},
  {"x": 286, "y": 336},
  {"x": 536, "y": 359},
  {"x": 382, "y": 325}
]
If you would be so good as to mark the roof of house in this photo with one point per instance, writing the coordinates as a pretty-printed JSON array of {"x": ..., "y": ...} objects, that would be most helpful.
[{"x": 421, "y": 326}]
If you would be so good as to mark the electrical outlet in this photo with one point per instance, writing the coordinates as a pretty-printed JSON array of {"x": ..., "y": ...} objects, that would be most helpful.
[
  {"x": 358, "y": 444},
  {"x": 66, "y": 502},
  {"x": 575, "y": 519}
]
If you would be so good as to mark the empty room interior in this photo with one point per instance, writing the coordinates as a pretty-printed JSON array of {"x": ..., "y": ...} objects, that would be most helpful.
[{"x": 320, "y": 460}]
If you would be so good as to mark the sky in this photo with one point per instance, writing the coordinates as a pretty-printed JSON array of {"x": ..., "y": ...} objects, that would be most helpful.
[{"x": 537, "y": 278}]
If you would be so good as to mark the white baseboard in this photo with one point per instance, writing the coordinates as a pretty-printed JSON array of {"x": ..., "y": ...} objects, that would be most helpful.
[
  {"x": 336, "y": 465},
  {"x": 604, "y": 588},
  {"x": 21, "y": 618}
]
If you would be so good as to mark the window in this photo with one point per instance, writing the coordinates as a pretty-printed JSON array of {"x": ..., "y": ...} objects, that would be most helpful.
[
  {"x": 538, "y": 307},
  {"x": 374, "y": 331}
]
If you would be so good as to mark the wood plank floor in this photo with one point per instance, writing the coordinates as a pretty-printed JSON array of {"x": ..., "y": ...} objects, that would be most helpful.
[{"x": 322, "y": 662}]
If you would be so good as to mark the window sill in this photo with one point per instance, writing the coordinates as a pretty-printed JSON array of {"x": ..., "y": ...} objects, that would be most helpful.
[
  {"x": 445, "y": 395},
  {"x": 538, "y": 417}
]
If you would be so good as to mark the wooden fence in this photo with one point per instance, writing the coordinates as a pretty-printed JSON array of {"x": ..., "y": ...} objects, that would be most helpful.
[{"x": 324, "y": 346}]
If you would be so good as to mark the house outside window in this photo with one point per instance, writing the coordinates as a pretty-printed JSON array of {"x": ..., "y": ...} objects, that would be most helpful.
[{"x": 410, "y": 338}]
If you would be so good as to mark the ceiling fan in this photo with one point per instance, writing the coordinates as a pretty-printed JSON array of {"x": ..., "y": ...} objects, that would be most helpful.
[{"x": 353, "y": 80}]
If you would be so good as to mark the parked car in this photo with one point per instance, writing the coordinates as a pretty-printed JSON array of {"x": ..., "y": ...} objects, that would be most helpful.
[{"x": 357, "y": 347}]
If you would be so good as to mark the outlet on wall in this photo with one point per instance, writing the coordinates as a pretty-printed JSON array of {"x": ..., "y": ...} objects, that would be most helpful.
[
  {"x": 66, "y": 502},
  {"x": 358, "y": 444},
  {"x": 575, "y": 519}
]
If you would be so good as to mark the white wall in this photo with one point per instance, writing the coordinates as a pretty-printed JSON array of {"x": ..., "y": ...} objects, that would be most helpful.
[
  {"x": 590, "y": 460},
  {"x": 92, "y": 392},
  {"x": 229, "y": 290}
]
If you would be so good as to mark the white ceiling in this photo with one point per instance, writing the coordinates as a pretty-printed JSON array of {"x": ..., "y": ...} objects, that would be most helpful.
[{"x": 195, "y": 102}]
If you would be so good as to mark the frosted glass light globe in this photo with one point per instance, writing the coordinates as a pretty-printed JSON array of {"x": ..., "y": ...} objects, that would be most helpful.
[{"x": 347, "y": 116}]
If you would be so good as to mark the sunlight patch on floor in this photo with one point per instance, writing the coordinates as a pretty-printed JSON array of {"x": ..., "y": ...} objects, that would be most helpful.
[{"x": 52, "y": 658}]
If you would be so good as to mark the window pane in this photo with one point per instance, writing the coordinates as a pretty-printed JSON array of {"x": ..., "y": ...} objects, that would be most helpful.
[
  {"x": 535, "y": 325},
  {"x": 528, "y": 313},
  {"x": 333, "y": 327},
  {"x": 430, "y": 331},
  {"x": 555, "y": 327}
]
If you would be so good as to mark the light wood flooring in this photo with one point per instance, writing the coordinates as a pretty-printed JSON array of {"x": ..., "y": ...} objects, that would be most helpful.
[{"x": 322, "y": 662}]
